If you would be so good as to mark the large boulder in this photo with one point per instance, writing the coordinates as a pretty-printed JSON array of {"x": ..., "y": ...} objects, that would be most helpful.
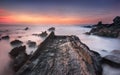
[
  {"x": 19, "y": 56},
  {"x": 62, "y": 55}
]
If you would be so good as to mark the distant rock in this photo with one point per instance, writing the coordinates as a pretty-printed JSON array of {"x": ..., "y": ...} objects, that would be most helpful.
[
  {"x": 107, "y": 30},
  {"x": 113, "y": 59},
  {"x": 19, "y": 56},
  {"x": 31, "y": 43},
  {"x": 116, "y": 20},
  {"x": 16, "y": 42},
  {"x": 5, "y": 37},
  {"x": 51, "y": 29},
  {"x": 26, "y": 28},
  {"x": 43, "y": 34}
]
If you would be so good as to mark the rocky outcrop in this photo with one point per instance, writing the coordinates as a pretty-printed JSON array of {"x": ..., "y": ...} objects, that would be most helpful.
[
  {"x": 19, "y": 56},
  {"x": 16, "y": 42},
  {"x": 107, "y": 30},
  {"x": 62, "y": 55},
  {"x": 113, "y": 59}
]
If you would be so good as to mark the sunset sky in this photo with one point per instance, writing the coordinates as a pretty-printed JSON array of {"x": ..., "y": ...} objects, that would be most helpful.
[{"x": 58, "y": 11}]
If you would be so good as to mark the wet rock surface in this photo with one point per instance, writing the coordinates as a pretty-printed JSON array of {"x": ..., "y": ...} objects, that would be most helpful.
[
  {"x": 113, "y": 59},
  {"x": 62, "y": 55},
  {"x": 107, "y": 30},
  {"x": 19, "y": 56},
  {"x": 16, "y": 42}
]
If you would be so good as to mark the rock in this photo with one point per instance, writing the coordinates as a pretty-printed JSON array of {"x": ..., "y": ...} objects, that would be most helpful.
[
  {"x": 51, "y": 29},
  {"x": 26, "y": 28},
  {"x": 19, "y": 56},
  {"x": 17, "y": 50},
  {"x": 31, "y": 43},
  {"x": 107, "y": 30},
  {"x": 16, "y": 42},
  {"x": 116, "y": 20},
  {"x": 62, "y": 55},
  {"x": 5, "y": 37},
  {"x": 113, "y": 59},
  {"x": 43, "y": 34}
]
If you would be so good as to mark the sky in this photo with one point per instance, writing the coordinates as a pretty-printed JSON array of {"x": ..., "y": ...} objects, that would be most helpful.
[{"x": 38, "y": 12}]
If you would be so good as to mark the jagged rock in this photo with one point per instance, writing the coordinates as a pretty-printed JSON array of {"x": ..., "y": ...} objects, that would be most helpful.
[
  {"x": 5, "y": 37},
  {"x": 19, "y": 56},
  {"x": 62, "y": 55},
  {"x": 51, "y": 29},
  {"x": 113, "y": 59},
  {"x": 31, "y": 43},
  {"x": 116, "y": 20},
  {"x": 107, "y": 30},
  {"x": 16, "y": 42},
  {"x": 43, "y": 34}
]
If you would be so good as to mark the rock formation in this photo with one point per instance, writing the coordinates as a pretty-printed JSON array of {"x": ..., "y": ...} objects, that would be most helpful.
[
  {"x": 107, "y": 30},
  {"x": 20, "y": 57},
  {"x": 62, "y": 55},
  {"x": 31, "y": 43}
]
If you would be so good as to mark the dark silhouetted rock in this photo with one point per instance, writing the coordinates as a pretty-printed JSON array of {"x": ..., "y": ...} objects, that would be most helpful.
[
  {"x": 19, "y": 56},
  {"x": 62, "y": 55},
  {"x": 51, "y": 29},
  {"x": 16, "y": 42},
  {"x": 5, "y": 37},
  {"x": 26, "y": 28},
  {"x": 107, "y": 30},
  {"x": 113, "y": 59},
  {"x": 31, "y": 43},
  {"x": 17, "y": 50},
  {"x": 116, "y": 20},
  {"x": 43, "y": 34}
]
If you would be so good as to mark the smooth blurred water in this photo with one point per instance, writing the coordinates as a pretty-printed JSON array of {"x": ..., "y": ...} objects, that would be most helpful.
[{"x": 93, "y": 42}]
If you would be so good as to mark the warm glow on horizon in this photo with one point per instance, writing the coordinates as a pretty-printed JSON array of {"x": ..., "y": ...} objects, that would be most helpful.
[{"x": 32, "y": 18}]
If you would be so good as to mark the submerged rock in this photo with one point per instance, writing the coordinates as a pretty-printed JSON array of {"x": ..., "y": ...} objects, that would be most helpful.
[
  {"x": 5, "y": 37},
  {"x": 62, "y": 55},
  {"x": 16, "y": 42},
  {"x": 19, "y": 56},
  {"x": 113, "y": 59},
  {"x": 31, "y": 43},
  {"x": 26, "y": 28},
  {"x": 51, "y": 29}
]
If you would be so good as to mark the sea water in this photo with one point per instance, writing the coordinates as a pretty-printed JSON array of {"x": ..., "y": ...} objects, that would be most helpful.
[{"x": 102, "y": 45}]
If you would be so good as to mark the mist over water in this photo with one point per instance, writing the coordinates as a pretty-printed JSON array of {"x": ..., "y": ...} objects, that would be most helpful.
[{"x": 95, "y": 43}]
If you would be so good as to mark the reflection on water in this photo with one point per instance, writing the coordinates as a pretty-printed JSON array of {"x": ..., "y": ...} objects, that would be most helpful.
[{"x": 100, "y": 44}]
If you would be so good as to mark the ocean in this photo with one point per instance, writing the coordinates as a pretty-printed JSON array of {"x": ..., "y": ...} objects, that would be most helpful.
[{"x": 102, "y": 45}]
